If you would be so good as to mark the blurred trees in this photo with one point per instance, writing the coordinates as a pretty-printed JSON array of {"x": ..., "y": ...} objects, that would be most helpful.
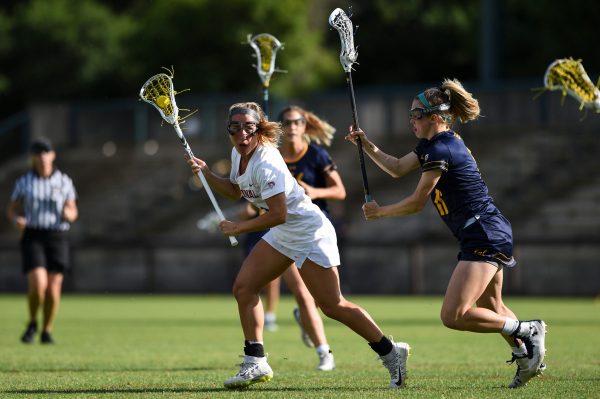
[{"x": 70, "y": 49}]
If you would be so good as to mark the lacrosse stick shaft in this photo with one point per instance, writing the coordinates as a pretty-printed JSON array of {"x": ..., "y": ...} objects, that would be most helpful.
[
  {"x": 266, "y": 100},
  {"x": 361, "y": 155},
  {"x": 213, "y": 200}
]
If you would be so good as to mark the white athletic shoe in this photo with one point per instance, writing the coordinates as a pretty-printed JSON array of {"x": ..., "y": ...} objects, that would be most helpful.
[
  {"x": 326, "y": 362},
  {"x": 523, "y": 375},
  {"x": 533, "y": 334},
  {"x": 253, "y": 370},
  {"x": 395, "y": 362},
  {"x": 303, "y": 335}
]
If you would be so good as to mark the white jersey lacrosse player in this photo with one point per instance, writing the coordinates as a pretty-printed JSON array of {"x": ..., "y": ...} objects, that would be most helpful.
[
  {"x": 307, "y": 232},
  {"x": 299, "y": 233}
]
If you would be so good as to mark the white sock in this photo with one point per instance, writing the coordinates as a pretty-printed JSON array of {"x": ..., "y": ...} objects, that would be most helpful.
[
  {"x": 510, "y": 326},
  {"x": 255, "y": 358},
  {"x": 270, "y": 317},
  {"x": 323, "y": 349},
  {"x": 257, "y": 342},
  {"x": 520, "y": 350}
]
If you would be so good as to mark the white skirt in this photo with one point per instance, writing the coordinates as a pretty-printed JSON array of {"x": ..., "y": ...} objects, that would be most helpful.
[{"x": 321, "y": 248}]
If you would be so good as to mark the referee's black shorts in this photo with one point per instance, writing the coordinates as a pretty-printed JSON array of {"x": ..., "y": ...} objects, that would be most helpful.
[{"x": 46, "y": 248}]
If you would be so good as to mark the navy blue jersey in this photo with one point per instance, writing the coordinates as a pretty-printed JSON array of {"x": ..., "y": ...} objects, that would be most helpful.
[
  {"x": 312, "y": 167},
  {"x": 460, "y": 194}
]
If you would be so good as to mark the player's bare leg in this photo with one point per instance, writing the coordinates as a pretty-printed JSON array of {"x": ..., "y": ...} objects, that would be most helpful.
[
  {"x": 271, "y": 293},
  {"x": 51, "y": 305},
  {"x": 324, "y": 285},
  {"x": 467, "y": 284},
  {"x": 37, "y": 282},
  {"x": 312, "y": 324},
  {"x": 262, "y": 265},
  {"x": 480, "y": 281}
]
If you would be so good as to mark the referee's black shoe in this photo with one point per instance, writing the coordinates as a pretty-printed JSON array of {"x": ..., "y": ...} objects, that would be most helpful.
[
  {"x": 46, "y": 338},
  {"x": 29, "y": 334}
]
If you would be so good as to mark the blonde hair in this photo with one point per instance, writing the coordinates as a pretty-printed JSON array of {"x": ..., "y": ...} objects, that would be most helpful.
[
  {"x": 268, "y": 133},
  {"x": 316, "y": 128},
  {"x": 463, "y": 106}
]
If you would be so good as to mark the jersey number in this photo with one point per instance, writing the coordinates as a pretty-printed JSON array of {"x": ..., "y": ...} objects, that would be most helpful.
[{"x": 439, "y": 203}]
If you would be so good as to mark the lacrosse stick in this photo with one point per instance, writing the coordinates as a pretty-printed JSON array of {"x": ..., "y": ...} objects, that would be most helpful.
[
  {"x": 569, "y": 76},
  {"x": 340, "y": 21},
  {"x": 265, "y": 46},
  {"x": 158, "y": 91}
]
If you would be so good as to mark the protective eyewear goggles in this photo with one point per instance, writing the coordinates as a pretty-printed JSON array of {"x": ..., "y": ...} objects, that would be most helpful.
[
  {"x": 248, "y": 127},
  {"x": 289, "y": 122},
  {"x": 418, "y": 112}
]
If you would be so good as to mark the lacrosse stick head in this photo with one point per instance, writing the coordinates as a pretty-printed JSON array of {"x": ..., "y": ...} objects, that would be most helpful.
[
  {"x": 265, "y": 46},
  {"x": 158, "y": 91},
  {"x": 569, "y": 76},
  {"x": 342, "y": 23}
]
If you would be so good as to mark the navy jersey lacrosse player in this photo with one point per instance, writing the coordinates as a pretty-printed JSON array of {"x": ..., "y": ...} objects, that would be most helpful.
[
  {"x": 312, "y": 167},
  {"x": 462, "y": 200}
]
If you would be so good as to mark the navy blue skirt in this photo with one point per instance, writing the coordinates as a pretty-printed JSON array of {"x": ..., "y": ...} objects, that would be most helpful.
[{"x": 488, "y": 239}]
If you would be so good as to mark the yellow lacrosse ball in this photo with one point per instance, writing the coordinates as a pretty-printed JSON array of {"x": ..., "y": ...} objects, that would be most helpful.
[{"x": 163, "y": 101}]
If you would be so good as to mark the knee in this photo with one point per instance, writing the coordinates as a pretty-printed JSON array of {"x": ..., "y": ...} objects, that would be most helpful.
[
  {"x": 38, "y": 290},
  {"x": 450, "y": 318},
  {"x": 329, "y": 310},
  {"x": 240, "y": 290},
  {"x": 496, "y": 306},
  {"x": 332, "y": 309},
  {"x": 243, "y": 290}
]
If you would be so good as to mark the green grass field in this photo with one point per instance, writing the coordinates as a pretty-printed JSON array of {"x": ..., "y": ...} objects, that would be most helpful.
[{"x": 185, "y": 346}]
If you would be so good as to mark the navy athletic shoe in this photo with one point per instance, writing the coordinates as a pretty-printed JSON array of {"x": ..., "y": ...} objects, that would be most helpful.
[
  {"x": 46, "y": 338},
  {"x": 29, "y": 333}
]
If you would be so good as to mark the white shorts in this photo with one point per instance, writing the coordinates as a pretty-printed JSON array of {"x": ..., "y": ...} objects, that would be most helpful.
[{"x": 323, "y": 251}]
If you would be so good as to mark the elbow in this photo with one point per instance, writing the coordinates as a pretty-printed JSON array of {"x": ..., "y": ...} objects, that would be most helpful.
[
  {"x": 416, "y": 205},
  {"x": 419, "y": 205},
  {"x": 281, "y": 218},
  {"x": 277, "y": 217},
  {"x": 398, "y": 173}
]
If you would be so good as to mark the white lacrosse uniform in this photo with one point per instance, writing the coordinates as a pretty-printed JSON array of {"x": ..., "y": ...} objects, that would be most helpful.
[{"x": 307, "y": 232}]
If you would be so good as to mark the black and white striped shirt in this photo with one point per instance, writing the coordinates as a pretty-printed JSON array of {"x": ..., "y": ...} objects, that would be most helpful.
[{"x": 43, "y": 199}]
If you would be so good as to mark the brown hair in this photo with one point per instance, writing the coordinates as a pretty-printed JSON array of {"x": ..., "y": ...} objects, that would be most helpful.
[
  {"x": 316, "y": 128},
  {"x": 268, "y": 132},
  {"x": 463, "y": 106}
]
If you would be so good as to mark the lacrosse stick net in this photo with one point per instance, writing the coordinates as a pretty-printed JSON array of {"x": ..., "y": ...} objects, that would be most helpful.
[
  {"x": 348, "y": 55},
  {"x": 569, "y": 76},
  {"x": 158, "y": 91},
  {"x": 342, "y": 23},
  {"x": 265, "y": 46}
]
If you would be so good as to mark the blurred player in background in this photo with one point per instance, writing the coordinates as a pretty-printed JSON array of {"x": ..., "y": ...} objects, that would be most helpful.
[
  {"x": 450, "y": 176},
  {"x": 317, "y": 174},
  {"x": 42, "y": 207},
  {"x": 299, "y": 233}
]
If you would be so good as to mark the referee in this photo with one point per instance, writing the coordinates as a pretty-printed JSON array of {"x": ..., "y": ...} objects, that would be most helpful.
[{"x": 42, "y": 207}]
